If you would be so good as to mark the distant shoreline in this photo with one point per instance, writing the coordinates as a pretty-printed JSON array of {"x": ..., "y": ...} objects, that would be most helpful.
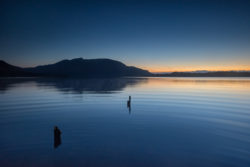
[{"x": 101, "y": 68}]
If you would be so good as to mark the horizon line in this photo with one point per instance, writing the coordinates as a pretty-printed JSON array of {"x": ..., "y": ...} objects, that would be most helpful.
[{"x": 153, "y": 70}]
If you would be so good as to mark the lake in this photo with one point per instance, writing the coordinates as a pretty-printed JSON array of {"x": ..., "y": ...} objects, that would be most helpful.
[{"x": 176, "y": 122}]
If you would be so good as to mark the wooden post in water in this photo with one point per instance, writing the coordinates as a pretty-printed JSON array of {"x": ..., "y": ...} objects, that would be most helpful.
[{"x": 129, "y": 102}]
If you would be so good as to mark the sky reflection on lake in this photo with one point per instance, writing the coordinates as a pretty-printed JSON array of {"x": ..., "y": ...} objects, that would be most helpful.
[{"x": 172, "y": 122}]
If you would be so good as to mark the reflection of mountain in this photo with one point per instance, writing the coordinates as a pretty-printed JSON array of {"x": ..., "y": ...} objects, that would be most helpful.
[
  {"x": 8, "y": 83},
  {"x": 90, "y": 85},
  {"x": 80, "y": 86}
]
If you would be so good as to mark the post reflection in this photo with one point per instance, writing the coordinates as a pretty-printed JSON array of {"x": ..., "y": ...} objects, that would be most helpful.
[
  {"x": 57, "y": 137},
  {"x": 129, "y": 104}
]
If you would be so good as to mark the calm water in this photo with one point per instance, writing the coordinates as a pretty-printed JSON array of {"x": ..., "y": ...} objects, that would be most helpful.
[{"x": 202, "y": 122}]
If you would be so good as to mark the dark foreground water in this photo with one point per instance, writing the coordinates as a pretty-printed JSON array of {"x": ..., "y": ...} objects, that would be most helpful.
[{"x": 193, "y": 122}]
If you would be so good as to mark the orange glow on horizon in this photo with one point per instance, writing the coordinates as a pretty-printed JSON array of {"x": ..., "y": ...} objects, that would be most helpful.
[{"x": 188, "y": 69}]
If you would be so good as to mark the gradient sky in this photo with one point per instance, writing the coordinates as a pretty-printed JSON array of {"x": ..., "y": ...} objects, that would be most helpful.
[{"x": 170, "y": 35}]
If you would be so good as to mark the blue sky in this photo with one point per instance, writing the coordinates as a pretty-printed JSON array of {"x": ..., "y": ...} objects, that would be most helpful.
[{"x": 170, "y": 35}]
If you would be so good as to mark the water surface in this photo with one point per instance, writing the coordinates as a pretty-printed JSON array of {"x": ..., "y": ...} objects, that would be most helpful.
[{"x": 172, "y": 122}]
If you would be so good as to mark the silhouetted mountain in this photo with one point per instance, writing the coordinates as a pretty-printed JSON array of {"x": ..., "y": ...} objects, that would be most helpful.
[
  {"x": 7, "y": 70},
  {"x": 101, "y": 68},
  {"x": 88, "y": 68}
]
